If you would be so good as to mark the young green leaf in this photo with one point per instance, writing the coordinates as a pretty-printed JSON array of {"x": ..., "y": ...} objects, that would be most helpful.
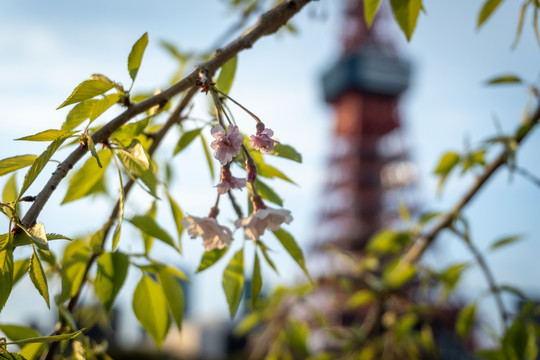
[
  {"x": 15, "y": 163},
  {"x": 102, "y": 105},
  {"x": 271, "y": 172},
  {"x": 209, "y": 159},
  {"x": 264, "y": 251},
  {"x": 92, "y": 148},
  {"x": 74, "y": 263},
  {"x": 465, "y": 320},
  {"x": 186, "y": 139},
  {"x": 178, "y": 216},
  {"x": 37, "y": 274},
  {"x": 9, "y": 194},
  {"x": 288, "y": 242},
  {"x": 267, "y": 192},
  {"x": 504, "y": 79},
  {"x": 487, "y": 10},
  {"x": 406, "y": 14},
  {"x": 397, "y": 274},
  {"x": 233, "y": 281},
  {"x": 256, "y": 281},
  {"x": 6, "y": 268},
  {"x": 360, "y": 298},
  {"x": 226, "y": 75},
  {"x": 40, "y": 162},
  {"x": 118, "y": 228},
  {"x": 370, "y": 9},
  {"x": 136, "y": 55},
  {"x": 112, "y": 269},
  {"x": 20, "y": 267},
  {"x": 148, "y": 225},
  {"x": 287, "y": 152},
  {"x": 84, "y": 179},
  {"x": 505, "y": 241},
  {"x": 78, "y": 114},
  {"x": 447, "y": 162},
  {"x": 209, "y": 258},
  {"x": 87, "y": 90},
  {"x": 47, "y": 135},
  {"x": 173, "y": 293},
  {"x": 150, "y": 308},
  {"x": 47, "y": 339}
]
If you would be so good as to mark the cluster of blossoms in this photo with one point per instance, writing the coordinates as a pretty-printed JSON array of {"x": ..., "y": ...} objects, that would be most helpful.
[{"x": 227, "y": 145}]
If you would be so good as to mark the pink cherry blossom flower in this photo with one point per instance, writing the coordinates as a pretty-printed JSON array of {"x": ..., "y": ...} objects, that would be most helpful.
[
  {"x": 227, "y": 144},
  {"x": 263, "y": 141},
  {"x": 228, "y": 182},
  {"x": 255, "y": 225},
  {"x": 214, "y": 235}
]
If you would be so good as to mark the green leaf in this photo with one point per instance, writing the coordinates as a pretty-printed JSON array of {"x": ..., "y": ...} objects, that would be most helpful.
[
  {"x": 148, "y": 225},
  {"x": 513, "y": 290},
  {"x": 135, "y": 152},
  {"x": 20, "y": 267},
  {"x": 269, "y": 171},
  {"x": 74, "y": 264},
  {"x": 37, "y": 274},
  {"x": 78, "y": 114},
  {"x": 267, "y": 192},
  {"x": 36, "y": 235},
  {"x": 264, "y": 250},
  {"x": 406, "y": 13},
  {"x": 186, "y": 139},
  {"x": 388, "y": 242},
  {"x": 233, "y": 281},
  {"x": 87, "y": 90},
  {"x": 178, "y": 216},
  {"x": 370, "y": 9},
  {"x": 487, "y": 10},
  {"x": 136, "y": 162},
  {"x": 112, "y": 268},
  {"x": 17, "y": 332},
  {"x": 360, "y": 298},
  {"x": 102, "y": 105},
  {"x": 256, "y": 281},
  {"x": 11, "y": 356},
  {"x": 465, "y": 320},
  {"x": 92, "y": 148},
  {"x": 505, "y": 241},
  {"x": 287, "y": 152},
  {"x": 128, "y": 132},
  {"x": 209, "y": 258},
  {"x": 9, "y": 194},
  {"x": 136, "y": 55},
  {"x": 84, "y": 179},
  {"x": 118, "y": 228},
  {"x": 450, "y": 277},
  {"x": 40, "y": 163},
  {"x": 397, "y": 274},
  {"x": 208, "y": 157},
  {"x": 173, "y": 293},
  {"x": 150, "y": 308},
  {"x": 6, "y": 268},
  {"x": 504, "y": 79},
  {"x": 15, "y": 163},
  {"x": 47, "y": 135},
  {"x": 447, "y": 162},
  {"x": 288, "y": 242},
  {"x": 47, "y": 339},
  {"x": 226, "y": 75}
]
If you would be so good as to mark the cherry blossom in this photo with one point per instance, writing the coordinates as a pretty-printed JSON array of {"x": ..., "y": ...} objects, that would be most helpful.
[
  {"x": 228, "y": 182},
  {"x": 263, "y": 218},
  {"x": 214, "y": 236},
  {"x": 263, "y": 141},
  {"x": 227, "y": 144}
]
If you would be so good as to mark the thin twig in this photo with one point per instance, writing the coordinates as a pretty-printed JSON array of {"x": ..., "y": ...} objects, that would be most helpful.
[{"x": 422, "y": 243}]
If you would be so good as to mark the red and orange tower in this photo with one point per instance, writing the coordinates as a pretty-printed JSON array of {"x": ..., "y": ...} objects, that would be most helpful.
[{"x": 368, "y": 168}]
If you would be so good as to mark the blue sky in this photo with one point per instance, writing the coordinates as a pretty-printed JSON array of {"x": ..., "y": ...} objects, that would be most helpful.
[{"x": 47, "y": 49}]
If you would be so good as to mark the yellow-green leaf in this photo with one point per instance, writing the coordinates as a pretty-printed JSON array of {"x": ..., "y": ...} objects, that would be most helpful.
[
  {"x": 87, "y": 90},
  {"x": 465, "y": 320},
  {"x": 504, "y": 79},
  {"x": 233, "y": 281},
  {"x": 406, "y": 13},
  {"x": 37, "y": 274},
  {"x": 226, "y": 75},
  {"x": 74, "y": 263},
  {"x": 148, "y": 225},
  {"x": 208, "y": 157},
  {"x": 84, "y": 179},
  {"x": 112, "y": 270},
  {"x": 150, "y": 308},
  {"x": 102, "y": 105},
  {"x": 209, "y": 258},
  {"x": 506, "y": 241},
  {"x": 287, "y": 152},
  {"x": 487, "y": 10},
  {"x": 78, "y": 114},
  {"x": 256, "y": 281},
  {"x": 178, "y": 216},
  {"x": 15, "y": 163},
  {"x": 136, "y": 55},
  {"x": 47, "y": 135},
  {"x": 173, "y": 293},
  {"x": 6, "y": 268},
  {"x": 370, "y": 9},
  {"x": 288, "y": 242},
  {"x": 186, "y": 139}
]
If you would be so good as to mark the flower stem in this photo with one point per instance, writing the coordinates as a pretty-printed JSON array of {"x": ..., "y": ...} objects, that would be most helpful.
[{"x": 237, "y": 103}]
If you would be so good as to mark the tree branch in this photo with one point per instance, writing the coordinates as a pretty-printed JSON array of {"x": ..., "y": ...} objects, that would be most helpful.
[
  {"x": 268, "y": 23},
  {"x": 421, "y": 244}
]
